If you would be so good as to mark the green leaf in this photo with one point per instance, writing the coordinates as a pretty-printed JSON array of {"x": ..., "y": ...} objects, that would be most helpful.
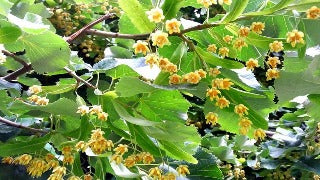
[
  {"x": 142, "y": 139},
  {"x": 47, "y": 52},
  {"x": 5, "y": 7},
  {"x": 120, "y": 52},
  {"x": 206, "y": 168},
  {"x": 127, "y": 117},
  {"x": 139, "y": 87},
  {"x": 281, "y": 5},
  {"x": 9, "y": 34},
  {"x": 31, "y": 23},
  {"x": 313, "y": 107},
  {"x": 163, "y": 105},
  {"x": 170, "y": 8},
  {"x": 177, "y": 152},
  {"x": 237, "y": 8},
  {"x": 121, "y": 71},
  {"x": 76, "y": 167},
  {"x": 137, "y": 15},
  {"x": 16, "y": 148},
  {"x": 62, "y": 106},
  {"x": 62, "y": 86}
]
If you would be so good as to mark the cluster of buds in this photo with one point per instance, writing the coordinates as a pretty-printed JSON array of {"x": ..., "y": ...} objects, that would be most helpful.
[
  {"x": 119, "y": 152},
  {"x": 244, "y": 123},
  {"x": 91, "y": 49},
  {"x": 34, "y": 98},
  {"x": 93, "y": 110},
  {"x": 58, "y": 173},
  {"x": 98, "y": 143},
  {"x": 156, "y": 173}
]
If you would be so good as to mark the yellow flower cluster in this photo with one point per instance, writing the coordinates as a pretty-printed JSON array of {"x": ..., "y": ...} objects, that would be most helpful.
[
  {"x": 207, "y": 3},
  {"x": 241, "y": 110},
  {"x": 244, "y": 123},
  {"x": 313, "y": 12},
  {"x": 67, "y": 155},
  {"x": 152, "y": 59},
  {"x": 212, "y": 48},
  {"x": 191, "y": 77},
  {"x": 251, "y": 64},
  {"x": 257, "y": 27},
  {"x": 214, "y": 72},
  {"x": 155, "y": 15},
  {"x": 183, "y": 170},
  {"x": 223, "y": 52},
  {"x": 141, "y": 47},
  {"x": 34, "y": 166},
  {"x": 173, "y": 26},
  {"x": 276, "y": 46},
  {"x": 272, "y": 74},
  {"x": 156, "y": 173},
  {"x": 98, "y": 143},
  {"x": 42, "y": 101},
  {"x": 35, "y": 89},
  {"x": 239, "y": 43},
  {"x": 273, "y": 62},
  {"x": 243, "y": 31},
  {"x": 213, "y": 93},
  {"x": 145, "y": 157},
  {"x": 94, "y": 110},
  {"x": 228, "y": 39},
  {"x": 119, "y": 152},
  {"x": 159, "y": 39}
]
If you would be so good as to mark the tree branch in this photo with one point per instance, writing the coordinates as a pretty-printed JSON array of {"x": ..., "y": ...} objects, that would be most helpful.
[
  {"x": 117, "y": 35},
  {"x": 26, "y": 67},
  {"x": 83, "y": 30},
  {"x": 13, "y": 124},
  {"x": 79, "y": 79}
]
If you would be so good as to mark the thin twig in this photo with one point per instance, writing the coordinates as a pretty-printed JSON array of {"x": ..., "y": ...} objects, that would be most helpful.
[
  {"x": 83, "y": 30},
  {"x": 79, "y": 79},
  {"x": 193, "y": 48},
  {"x": 13, "y": 124},
  {"x": 14, "y": 75},
  {"x": 117, "y": 35}
]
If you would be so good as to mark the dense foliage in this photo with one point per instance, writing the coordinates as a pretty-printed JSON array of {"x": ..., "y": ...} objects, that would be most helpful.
[{"x": 159, "y": 89}]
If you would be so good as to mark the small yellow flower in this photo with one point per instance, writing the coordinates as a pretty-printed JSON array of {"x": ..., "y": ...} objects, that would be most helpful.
[
  {"x": 96, "y": 109},
  {"x": 152, "y": 59},
  {"x": 7, "y": 160},
  {"x": 83, "y": 110},
  {"x": 183, "y": 170},
  {"x": 116, "y": 158},
  {"x": 147, "y": 158},
  {"x": 155, "y": 173},
  {"x": 212, "y": 48},
  {"x": 243, "y": 31},
  {"x": 35, "y": 89},
  {"x": 42, "y": 101},
  {"x": 211, "y": 118},
  {"x": 276, "y": 46},
  {"x": 130, "y": 161},
  {"x": 222, "y": 83},
  {"x": 66, "y": 150},
  {"x": 173, "y": 26},
  {"x": 141, "y": 47},
  {"x": 201, "y": 73},
  {"x": 213, "y": 93},
  {"x": 34, "y": 98},
  {"x": 68, "y": 159},
  {"x": 273, "y": 62},
  {"x": 241, "y": 109},
  {"x": 207, "y": 3},
  {"x": 222, "y": 102},
  {"x": 272, "y": 74},
  {"x": 81, "y": 145},
  {"x": 259, "y": 134},
  {"x": 61, "y": 171},
  {"x": 155, "y": 15},
  {"x": 214, "y": 72},
  {"x": 245, "y": 125},
  {"x": 160, "y": 39},
  {"x": 295, "y": 37},
  {"x": 174, "y": 79},
  {"x": 257, "y": 27},
  {"x": 193, "y": 78},
  {"x": 313, "y": 12},
  {"x": 163, "y": 62},
  {"x": 171, "y": 68},
  {"x": 87, "y": 177},
  {"x": 52, "y": 164},
  {"x": 121, "y": 149},
  {"x": 239, "y": 43},
  {"x": 224, "y": 51},
  {"x": 103, "y": 116},
  {"x": 227, "y": 39},
  {"x": 23, "y": 159},
  {"x": 251, "y": 64},
  {"x": 49, "y": 157}
]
